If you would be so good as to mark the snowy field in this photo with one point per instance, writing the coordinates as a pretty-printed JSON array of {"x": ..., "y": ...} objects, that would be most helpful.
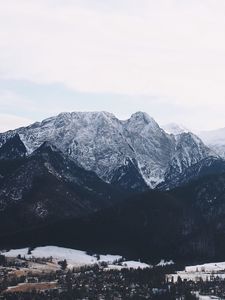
[
  {"x": 201, "y": 297},
  {"x": 206, "y": 272},
  {"x": 128, "y": 265},
  {"x": 210, "y": 267},
  {"x": 164, "y": 263},
  {"x": 75, "y": 258}
]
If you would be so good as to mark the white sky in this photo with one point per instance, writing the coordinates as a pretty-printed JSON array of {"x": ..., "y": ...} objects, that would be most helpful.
[{"x": 165, "y": 57}]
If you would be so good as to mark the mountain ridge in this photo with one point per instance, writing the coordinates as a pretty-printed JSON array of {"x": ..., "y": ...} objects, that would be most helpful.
[
  {"x": 48, "y": 195},
  {"x": 100, "y": 142},
  {"x": 48, "y": 185}
]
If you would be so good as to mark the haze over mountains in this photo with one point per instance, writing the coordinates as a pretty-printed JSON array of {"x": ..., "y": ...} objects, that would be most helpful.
[
  {"x": 215, "y": 139},
  {"x": 91, "y": 175}
]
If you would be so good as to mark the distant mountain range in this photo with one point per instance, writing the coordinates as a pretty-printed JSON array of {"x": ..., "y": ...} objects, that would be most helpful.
[
  {"x": 215, "y": 139},
  {"x": 92, "y": 180}
]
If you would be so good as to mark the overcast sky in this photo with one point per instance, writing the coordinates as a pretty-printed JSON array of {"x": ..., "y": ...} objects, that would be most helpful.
[{"x": 164, "y": 57}]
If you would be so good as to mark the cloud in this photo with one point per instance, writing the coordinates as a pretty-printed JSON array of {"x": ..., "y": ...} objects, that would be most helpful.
[
  {"x": 28, "y": 100},
  {"x": 8, "y": 122},
  {"x": 165, "y": 49}
]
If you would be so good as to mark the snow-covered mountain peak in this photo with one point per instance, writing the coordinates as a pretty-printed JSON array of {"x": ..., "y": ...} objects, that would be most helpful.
[
  {"x": 143, "y": 124},
  {"x": 85, "y": 115},
  {"x": 174, "y": 128},
  {"x": 141, "y": 115},
  {"x": 100, "y": 142},
  {"x": 142, "y": 118},
  {"x": 189, "y": 150}
]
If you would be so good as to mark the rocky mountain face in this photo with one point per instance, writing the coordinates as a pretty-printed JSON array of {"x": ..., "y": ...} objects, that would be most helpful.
[
  {"x": 99, "y": 142},
  {"x": 190, "y": 151},
  {"x": 12, "y": 155},
  {"x": 129, "y": 177},
  {"x": 208, "y": 166},
  {"x": 47, "y": 186},
  {"x": 13, "y": 149}
]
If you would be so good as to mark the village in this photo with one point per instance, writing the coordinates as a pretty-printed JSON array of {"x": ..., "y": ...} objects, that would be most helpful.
[{"x": 23, "y": 276}]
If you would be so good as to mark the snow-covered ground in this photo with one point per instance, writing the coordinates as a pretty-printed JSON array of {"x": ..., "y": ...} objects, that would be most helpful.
[
  {"x": 128, "y": 265},
  {"x": 210, "y": 267},
  {"x": 164, "y": 263},
  {"x": 206, "y": 272},
  {"x": 74, "y": 257},
  {"x": 135, "y": 265},
  {"x": 201, "y": 297}
]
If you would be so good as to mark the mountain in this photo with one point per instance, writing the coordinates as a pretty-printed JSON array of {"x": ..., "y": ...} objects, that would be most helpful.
[
  {"x": 208, "y": 166},
  {"x": 100, "y": 142},
  {"x": 50, "y": 196},
  {"x": 12, "y": 155},
  {"x": 173, "y": 128},
  {"x": 190, "y": 150},
  {"x": 137, "y": 227},
  {"x": 13, "y": 149},
  {"x": 129, "y": 177},
  {"x": 49, "y": 186},
  {"x": 215, "y": 139},
  {"x": 186, "y": 225},
  {"x": 207, "y": 197}
]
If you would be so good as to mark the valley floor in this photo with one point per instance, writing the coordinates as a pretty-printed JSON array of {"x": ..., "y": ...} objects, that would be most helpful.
[{"x": 60, "y": 273}]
